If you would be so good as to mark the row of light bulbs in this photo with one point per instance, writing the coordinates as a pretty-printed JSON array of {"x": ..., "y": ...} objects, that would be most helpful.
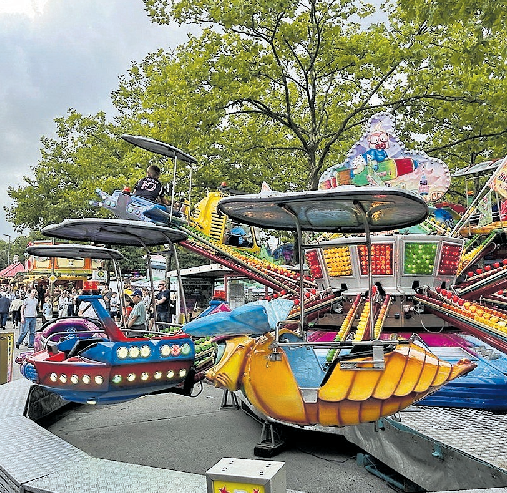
[
  {"x": 131, "y": 377},
  {"x": 144, "y": 351}
]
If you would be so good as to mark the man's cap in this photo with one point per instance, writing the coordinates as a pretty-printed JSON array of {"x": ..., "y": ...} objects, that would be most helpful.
[{"x": 137, "y": 292}]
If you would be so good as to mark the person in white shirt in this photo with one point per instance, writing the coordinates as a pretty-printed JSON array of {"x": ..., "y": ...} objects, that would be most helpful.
[
  {"x": 86, "y": 309},
  {"x": 114, "y": 303},
  {"x": 28, "y": 318},
  {"x": 15, "y": 310},
  {"x": 64, "y": 302}
]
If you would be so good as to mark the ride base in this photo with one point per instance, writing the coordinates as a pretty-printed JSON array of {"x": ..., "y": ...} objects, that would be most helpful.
[{"x": 437, "y": 449}]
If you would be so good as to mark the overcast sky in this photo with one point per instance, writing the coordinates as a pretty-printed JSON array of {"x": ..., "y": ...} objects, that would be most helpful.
[{"x": 61, "y": 54}]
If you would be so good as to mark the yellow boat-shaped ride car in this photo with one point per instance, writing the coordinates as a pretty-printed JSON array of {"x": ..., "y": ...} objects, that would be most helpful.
[
  {"x": 353, "y": 390},
  {"x": 280, "y": 372}
]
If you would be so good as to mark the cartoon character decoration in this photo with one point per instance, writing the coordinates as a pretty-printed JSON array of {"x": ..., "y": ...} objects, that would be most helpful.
[{"x": 379, "y": 158}]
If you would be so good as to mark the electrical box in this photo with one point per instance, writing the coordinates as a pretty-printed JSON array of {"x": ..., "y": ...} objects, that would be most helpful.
[{"x": 246, "y": 476}]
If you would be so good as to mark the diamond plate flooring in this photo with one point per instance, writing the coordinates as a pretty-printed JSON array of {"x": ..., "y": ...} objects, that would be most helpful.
[
  {"x": 34, "y": 460},
  {"x": 478, "y": 433}
]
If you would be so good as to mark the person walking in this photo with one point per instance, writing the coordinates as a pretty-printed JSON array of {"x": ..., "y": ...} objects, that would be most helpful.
[
  {"x": 41, "y": 294},
  {"x": 15, "y": 309},
  {"x": 72, "y": 306},
  {"x": 137, "y": 317},
  {"x": 5, "y": 303},
  {"x": 28, "y": 319},
  {"x": 64, "y": 302}
]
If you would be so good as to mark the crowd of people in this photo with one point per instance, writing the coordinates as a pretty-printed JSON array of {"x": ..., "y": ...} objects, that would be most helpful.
[{"x": 136, "y": 311}]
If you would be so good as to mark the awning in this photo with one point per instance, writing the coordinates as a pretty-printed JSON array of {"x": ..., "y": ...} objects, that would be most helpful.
[{"x": 12, "y": 270}]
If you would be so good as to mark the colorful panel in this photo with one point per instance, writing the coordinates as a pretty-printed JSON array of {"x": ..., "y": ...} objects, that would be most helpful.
[
  {"x": 419, "y": 258},
  {"x": 221, "y": 486},
  {"x": 381, "y": 259},
  {"x": 312, "y": 258},
  {"x": 338, "y": 261},
  {"x": 449, "y": 259}
]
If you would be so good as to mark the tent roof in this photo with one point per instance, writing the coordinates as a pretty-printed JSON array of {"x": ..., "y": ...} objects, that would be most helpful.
[{"x": 12, "y": 270}]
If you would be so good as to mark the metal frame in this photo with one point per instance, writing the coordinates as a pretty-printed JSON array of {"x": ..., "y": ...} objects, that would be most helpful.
[{"x": 122, "y": 232}]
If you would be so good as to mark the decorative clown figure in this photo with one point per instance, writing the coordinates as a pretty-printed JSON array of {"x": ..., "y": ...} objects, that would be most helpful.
[
  {"x": 379, "y": 158},
  {"x": 379, "y": 142}
]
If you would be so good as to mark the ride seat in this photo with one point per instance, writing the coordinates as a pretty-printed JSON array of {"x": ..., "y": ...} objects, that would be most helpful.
[
  {"x": 81, "y": 345},
  {"x": 53, "y": 348},
  {"x": 303, "y": 362}
]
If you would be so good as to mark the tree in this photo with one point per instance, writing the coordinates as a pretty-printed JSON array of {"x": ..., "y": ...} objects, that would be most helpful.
[
  {"x": 485, "y": 14},
  {"x": 17, "y": 248},
  {"x": 305, "y": 78},
  {"x": 275, "y": 92},
  {"x": 87, "y": 154}
]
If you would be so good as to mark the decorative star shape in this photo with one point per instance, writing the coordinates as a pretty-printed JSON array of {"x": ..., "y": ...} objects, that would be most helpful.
[{"x": 223, "y": 490}]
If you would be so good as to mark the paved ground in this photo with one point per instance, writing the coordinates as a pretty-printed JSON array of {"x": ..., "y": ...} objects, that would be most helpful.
[{"x": 193, "y": 434}]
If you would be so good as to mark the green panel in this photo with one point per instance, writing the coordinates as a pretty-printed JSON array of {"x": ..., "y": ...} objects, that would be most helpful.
[{"x": 419, "y": 258}]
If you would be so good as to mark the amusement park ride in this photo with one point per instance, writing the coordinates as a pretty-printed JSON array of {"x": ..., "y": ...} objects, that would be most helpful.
[
  {"x": 385, "y": 312},
  {"x": 92, "y": 360}
]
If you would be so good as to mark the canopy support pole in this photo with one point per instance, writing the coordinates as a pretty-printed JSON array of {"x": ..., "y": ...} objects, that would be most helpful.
[
  {"x": 366, "y": 223},
  {"x": 299, "y": 234},
  {"x": 180, "y": 282}
]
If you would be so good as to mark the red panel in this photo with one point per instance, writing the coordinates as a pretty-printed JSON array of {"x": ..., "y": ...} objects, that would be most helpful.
[{"x": 404, "y": 165}]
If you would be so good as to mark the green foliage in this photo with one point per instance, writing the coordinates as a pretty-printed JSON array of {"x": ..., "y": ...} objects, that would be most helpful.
[
  {"x": 85, "y": 155},
  {"x": 134, "y": 260},
  {"x": 485, "y": 14},
  {"x": 187, "y": 258},
  {"x": 17, "y": 247},
  {"x": 292, "y": 84}
]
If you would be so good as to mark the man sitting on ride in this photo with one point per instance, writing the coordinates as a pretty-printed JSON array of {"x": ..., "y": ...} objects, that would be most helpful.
[
  {"x": 137, "y": 318},
  {"x": 150, "y": 187}
]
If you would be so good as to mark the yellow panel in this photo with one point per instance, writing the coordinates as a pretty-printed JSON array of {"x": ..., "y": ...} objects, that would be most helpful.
[
  {"x": 338, "y": 385},
  {"x": 65, "y": 263},
  {"x": 364, "y": 385},
  {"x": 428, "y": 373},
  {"x": 6, "y": 356},
  {"x": 220, "y": 486},
  {"x": 370, "y": 410},
  {"x": 328, "y": 414},
  {"x": 271, "y": 387},
  {"x": 228, "y": 372},
  {"x": 349, "y": 413},
  {"x": 338, "y": 261},
  {"x": 413, "y": 370},
  {"x": 391, "y": 376}
]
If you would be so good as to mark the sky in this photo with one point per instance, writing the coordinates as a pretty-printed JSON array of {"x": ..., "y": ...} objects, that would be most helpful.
[{"x": 61, "y": 54}]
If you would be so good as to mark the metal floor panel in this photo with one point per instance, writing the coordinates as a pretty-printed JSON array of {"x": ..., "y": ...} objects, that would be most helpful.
[
  {"x": 102, "y": 475},
  {"x": 28, "y": 451},
  {"x": 34, "y": 460},
  {"x": 478, "y": 433},
  {"x": 13, "y": 397}
]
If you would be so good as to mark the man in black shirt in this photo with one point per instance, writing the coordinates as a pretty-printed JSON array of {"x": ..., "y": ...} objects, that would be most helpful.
[
  {"x": 163, "y": 302},
  {"x": 5, "y": 303},
  {"x": 150, "y": 187}
]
